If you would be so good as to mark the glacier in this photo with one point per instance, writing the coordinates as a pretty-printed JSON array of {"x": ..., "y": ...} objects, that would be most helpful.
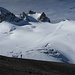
[{"x": 38, "y": 40}]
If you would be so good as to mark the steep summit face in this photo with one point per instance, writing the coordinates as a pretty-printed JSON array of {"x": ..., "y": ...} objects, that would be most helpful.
[
  {"x": 24, "y": 17},
  {"x": 32, "y": 12},
  {"x": 6, "y": 15},
  {"x": 44, "y": 18},
  {"x": 3, "y": 10},
  {"x": 32, "y": 16}
]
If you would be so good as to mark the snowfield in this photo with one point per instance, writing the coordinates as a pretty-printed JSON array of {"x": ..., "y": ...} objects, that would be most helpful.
[
  {"x": 30, "y": 36},
  {"x": 40, "y": 41}
]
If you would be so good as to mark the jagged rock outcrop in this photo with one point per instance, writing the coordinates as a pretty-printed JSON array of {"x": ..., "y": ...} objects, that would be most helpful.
[
  {"x": 24, "y": 16},
  {"x": 32, "y": 16},
  {"x": 44, "y": 18},
  {"x": 31, "y": 12},
  {"x": 5, "y": 15}
]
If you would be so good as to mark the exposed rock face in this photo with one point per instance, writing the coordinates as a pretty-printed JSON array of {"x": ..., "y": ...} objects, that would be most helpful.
[
  {"x": 8, "y": 16},
  {"x": 24, "y": 16},
  {"x": 44, "y": 18},
  {"x": 29, "y": 17},
  {"x": 31, "y": 12}
]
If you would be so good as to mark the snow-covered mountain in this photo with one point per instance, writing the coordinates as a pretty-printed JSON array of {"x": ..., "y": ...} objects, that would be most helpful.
[
  {"x": 23, "y": 18},
  {"x": 42, "y": 41},
  {"x": 6, "y": 15},
  {"x": 56, "y": 10},
  {"x": 32, "y": 16},
  {"x": 34, "y": 37}
]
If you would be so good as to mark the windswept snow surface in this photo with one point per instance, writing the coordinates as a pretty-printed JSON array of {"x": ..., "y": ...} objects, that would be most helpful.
[{"x": 40, "y": 41}]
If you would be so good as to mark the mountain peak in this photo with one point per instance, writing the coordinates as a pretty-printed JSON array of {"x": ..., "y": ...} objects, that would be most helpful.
[{"x": 3, "y": 10}]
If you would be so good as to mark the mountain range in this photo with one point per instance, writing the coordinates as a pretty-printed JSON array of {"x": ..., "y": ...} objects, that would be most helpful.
[{"x": 34, "y": 35}]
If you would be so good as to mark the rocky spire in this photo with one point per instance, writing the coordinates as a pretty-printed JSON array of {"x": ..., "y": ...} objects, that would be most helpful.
[
  {"x": 43, "y": 18},
  {"x": 31, "y": 12}
]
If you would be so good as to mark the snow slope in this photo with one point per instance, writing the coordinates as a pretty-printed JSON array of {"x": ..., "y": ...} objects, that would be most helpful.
[
  {"x": 37, "y": 40},
  {"x": 40, "y": 41}
]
